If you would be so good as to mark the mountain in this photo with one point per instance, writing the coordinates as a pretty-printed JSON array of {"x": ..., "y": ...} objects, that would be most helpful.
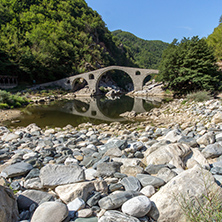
[
  {"x": 45, "y": 40},
  {"x": 147, "y": 54}
]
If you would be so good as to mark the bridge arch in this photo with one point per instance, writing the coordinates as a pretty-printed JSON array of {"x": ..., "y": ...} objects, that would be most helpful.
[{"x": 99, "y": 77}]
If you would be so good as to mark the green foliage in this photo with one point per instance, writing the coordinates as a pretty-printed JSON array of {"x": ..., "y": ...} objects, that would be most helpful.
[
  {"x": 147, "y": 54},
  {"x": 188, "y": 66},
  {"x": 51, "y": 39},
  {"x": 215, "y": 41},
  {"x": 199, "y": 96},
  {"x": 8, "y": 100}
]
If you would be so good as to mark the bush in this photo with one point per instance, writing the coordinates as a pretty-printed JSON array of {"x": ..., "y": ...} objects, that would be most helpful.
[
  {"x": 8, "y": 100},
  {"x": 199, "y": 96}
]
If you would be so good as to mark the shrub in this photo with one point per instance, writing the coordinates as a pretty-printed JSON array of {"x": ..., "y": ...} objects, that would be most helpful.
[
  {"x": 8, "y": 100},
  {"x": 199, "y": 96}
]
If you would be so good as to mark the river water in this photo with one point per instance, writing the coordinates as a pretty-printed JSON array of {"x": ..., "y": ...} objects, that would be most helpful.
[{"x": 94, "y": 110}]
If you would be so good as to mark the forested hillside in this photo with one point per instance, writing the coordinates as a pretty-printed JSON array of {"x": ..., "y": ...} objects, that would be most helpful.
[
  {"x": 45, "y": 40},
  {"x": 147, "y": 54}
]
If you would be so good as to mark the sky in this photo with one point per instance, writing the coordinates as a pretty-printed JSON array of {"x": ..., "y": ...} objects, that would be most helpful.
[{"x": 160, "y": 19}]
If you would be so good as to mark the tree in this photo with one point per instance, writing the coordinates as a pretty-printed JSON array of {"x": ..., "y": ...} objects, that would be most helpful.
[
  {"x": 215, "y": 41},
  {"x": 188, "y": 66}
]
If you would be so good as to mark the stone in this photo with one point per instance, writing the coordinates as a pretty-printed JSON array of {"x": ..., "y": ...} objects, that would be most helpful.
[
  {"x": 34, "y": 183},
  {"x": 116, "y": 186},
  {"x": 17, "y": 169},
  {"x": 69, "y": 192},
  {"x": 91, "y": 219},
  {"x": 55, "y": 175},
  {"x": 75, "y": 205},
  {"x": 90, "y": 174},
  {"x": 28, "y": 197},
  {"x": 93, "y": 200},
  {"x": 213, "y": 150},
  {"x": 131, "y": 183},
  {"x": 85, "y": 213},
  {"x": 154, "y": 169},
  {"x": 172, "y": 153},
  {"x": 137, "y": 206},
  {"x": 148, "y": 190},
  {"x": 108, "y": 169},
  {"x": 115, "y": 200},
  {"x": 117, "y": 216},
  {"x": 131, "y": 170},
  {"x": 9, "y": 137},
  {"x": 121, "y": 144},
  {"x": 146, "y": 180},
  {"x": 51, "y": 212},
  {"x": 166, "y": 174},
  {"x": 207, "y": 139},
  {"x": 188, "y": 184},
  {"x": 217, "y": 118},
  {"x": 173, "y": 136},
  {"x": 113, "y": 152},
  {"x": 8, "y": 205},
  {"x": 196, "y": 157},
  {"x": 129, "y": 162}
]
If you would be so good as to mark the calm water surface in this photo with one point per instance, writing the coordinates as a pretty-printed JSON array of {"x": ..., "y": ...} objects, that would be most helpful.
[{"x": 93, "y": 110}]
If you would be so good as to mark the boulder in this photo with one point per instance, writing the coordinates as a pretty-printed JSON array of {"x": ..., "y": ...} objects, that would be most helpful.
[
  {"x": 51, "y": 212},
  {"x": 137, "y": 206},
  {"x": 189, "y": 184},
  {"x": 8, "y": 205},
  {"x": 55, "y": 175},
  {"x": 172, "y": 153}
]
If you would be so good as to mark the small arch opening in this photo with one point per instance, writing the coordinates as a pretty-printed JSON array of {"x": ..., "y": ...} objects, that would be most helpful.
[
  {"x": 79, "y": 84},
  {"x": 138, "y": 73},
  {"x": 68, "y": 82},
  {"x": 93, "y": 113},
  {"x": 91, "y": 76}
]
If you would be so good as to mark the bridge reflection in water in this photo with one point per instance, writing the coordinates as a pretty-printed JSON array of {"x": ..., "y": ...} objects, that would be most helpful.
[
  {"x": 109, "y": 110},
  {"x": 82, "y": 110}
]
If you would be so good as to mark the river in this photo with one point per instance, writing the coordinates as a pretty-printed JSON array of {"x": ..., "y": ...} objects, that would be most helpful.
[{"x": 94, "y": 110}]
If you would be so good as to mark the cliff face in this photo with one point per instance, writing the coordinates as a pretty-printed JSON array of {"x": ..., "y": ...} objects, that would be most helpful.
[{"x": 51, "y": 39}]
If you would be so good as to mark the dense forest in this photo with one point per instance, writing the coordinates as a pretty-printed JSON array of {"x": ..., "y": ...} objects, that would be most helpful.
[
  {"x": 147, "y": 54},
  {"x": 45, "y": 40}
]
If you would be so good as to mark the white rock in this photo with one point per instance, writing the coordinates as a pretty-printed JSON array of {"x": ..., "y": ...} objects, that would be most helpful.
[
  {"x": 75, "y": 205},
  {"x": 137, "y": 206},
  {"x": 148, "y": 190}
]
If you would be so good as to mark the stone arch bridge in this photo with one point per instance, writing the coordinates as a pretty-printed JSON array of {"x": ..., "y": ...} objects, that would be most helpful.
[{"x": 92, "y": 78}]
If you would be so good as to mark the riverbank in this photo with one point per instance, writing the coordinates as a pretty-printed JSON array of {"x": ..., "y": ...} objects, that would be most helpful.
[
  {"x": 9, "y": 115},
  {"x": 101, "y": 171}
]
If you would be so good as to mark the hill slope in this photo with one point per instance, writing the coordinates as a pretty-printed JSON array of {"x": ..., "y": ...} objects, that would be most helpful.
[
  {"x": 147, "y": 54},
  {"x": 51, "y": 39}
]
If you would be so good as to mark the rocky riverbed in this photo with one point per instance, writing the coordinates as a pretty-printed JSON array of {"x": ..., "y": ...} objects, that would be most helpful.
[{"x": 132, "y": 172}]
